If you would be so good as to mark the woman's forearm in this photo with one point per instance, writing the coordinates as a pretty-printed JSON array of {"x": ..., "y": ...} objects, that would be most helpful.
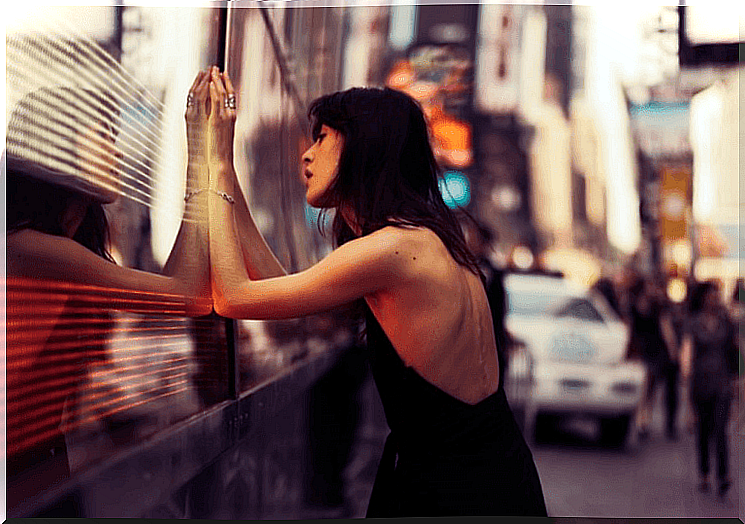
[
  {"x": 258, "y": 257},
  {"x": 188, "y": 262},
  {"x": 228, "y": 270}
]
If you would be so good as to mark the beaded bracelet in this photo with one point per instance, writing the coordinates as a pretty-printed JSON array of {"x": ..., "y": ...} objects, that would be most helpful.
[
  {"x": 190, "y": 194},
  {"x": 221, "y": 194}
]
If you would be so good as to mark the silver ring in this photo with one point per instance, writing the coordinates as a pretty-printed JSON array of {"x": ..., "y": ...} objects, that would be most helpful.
[
  {"x": 230, "y": 102},
  {"x": 189, "y": 100}
]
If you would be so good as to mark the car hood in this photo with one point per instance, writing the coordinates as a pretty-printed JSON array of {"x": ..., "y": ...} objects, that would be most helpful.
[{"x": 570, "y": 340}]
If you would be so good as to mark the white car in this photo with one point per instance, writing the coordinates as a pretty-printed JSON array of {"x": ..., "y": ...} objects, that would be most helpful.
[{"x": 577, "y": 346}]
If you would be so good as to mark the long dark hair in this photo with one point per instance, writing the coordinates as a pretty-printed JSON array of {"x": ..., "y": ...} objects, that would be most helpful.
[
  {"x": 33, "y": 199},
  {"x": 387, "y": 174},
  {"x": 34, "y": 204}
]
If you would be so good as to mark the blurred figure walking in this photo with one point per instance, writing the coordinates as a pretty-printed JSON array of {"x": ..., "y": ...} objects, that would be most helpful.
[
  {"x": 653, "y": 340},
  {"x": 710, "y": 362},
  {"x": 737, "y": 314}
]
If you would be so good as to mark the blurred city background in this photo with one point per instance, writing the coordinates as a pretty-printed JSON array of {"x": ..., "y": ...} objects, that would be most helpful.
[{"x": 596, "y": 145}]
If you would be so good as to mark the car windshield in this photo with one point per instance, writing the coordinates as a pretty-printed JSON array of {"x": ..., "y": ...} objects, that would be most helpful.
[{"x": 533, "y": 303}]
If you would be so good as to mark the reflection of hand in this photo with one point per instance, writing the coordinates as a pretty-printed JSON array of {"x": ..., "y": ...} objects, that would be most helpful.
[
  {"x": 221, "y": 121},
  {"x": 197, "y": 112}
]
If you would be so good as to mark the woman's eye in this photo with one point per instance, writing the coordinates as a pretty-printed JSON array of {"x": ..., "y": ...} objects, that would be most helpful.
[{"x": 321, "y": 137}]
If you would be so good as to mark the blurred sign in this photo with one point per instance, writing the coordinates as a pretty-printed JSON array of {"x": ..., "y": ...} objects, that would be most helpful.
[
  {"x": 661, "y": 128},
  {"x": 675, "y": 182},
  {"x": 497, "y": 58},
  {"x": 437, "y": 76},
  {"x": 455, "y": 189}
]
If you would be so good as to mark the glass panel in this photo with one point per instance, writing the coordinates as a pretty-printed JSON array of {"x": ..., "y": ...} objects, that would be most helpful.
[
  {"x": 271, "y": 135},
  {"x": 95, "y": 145}
]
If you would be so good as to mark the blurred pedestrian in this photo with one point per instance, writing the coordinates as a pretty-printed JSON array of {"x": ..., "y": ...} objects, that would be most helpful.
[
  {"x": 480, "y": 240},
  {"x": 710, "y": 362},
  {"x": 607, "y": 288},
  {"x": 737, "y": 313},
  {"x": 653, "y": 340}
]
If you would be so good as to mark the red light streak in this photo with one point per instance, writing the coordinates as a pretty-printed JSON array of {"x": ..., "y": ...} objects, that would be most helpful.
[
  {"x": 18, "y": 335},
  {"x": 17, "y": 361},
  {"x": 52, "y": 412},
  {"x": 75, "y": 379},
  {"x": 40, "y": 437}
]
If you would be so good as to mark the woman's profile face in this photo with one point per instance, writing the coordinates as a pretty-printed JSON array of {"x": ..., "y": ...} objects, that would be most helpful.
[{"x": 321, "y": 164}]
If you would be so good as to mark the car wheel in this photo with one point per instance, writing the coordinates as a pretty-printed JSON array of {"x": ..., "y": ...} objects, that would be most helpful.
[{"x": 613, "y": 431}]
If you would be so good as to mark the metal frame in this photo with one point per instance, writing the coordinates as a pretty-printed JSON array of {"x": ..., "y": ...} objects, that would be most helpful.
[{"x": 139, "y": 478}]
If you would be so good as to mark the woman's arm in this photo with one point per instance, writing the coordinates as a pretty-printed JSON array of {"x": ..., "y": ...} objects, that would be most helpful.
[
  {"x": 353, "y": 271},
  {"x": 183, "y": 289},
  {"x": 258, "y": 258},
  {"x": 686, "y": 357}
]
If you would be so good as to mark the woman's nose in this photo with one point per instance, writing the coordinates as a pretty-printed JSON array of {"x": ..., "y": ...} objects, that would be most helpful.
[{"x": 307, "y": 156}]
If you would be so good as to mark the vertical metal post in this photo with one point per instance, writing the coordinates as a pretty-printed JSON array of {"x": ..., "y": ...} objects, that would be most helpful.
[{"x": 221, "y": 60}]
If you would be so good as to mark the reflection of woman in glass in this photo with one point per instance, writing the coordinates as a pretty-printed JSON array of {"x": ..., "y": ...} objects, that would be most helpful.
[
  {"x": 61, "y": 277},
  {"x": 429, "y": 329}
]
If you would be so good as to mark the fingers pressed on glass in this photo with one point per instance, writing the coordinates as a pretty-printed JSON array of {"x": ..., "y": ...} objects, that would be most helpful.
[
  {"x": 214, "y": 98},
  {"x": 196, "y": 81},
  {"x": 228, "y": 83}
]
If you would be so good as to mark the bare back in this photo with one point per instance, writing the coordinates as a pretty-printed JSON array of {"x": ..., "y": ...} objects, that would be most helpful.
[{"x": 437, "y": 317}]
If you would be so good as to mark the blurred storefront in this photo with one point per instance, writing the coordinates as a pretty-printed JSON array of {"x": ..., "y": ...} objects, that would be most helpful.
[
  {"x": 661, "y": 129},
  {"x": 716, "y": 131}
]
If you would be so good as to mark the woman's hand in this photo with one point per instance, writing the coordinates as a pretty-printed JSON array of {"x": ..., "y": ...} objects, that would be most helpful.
[
  {"x": 221, "y": 123},
  {"x": 197, "y": 112}
]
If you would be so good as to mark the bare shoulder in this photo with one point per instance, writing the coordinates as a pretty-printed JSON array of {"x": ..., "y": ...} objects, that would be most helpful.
[
  {"x": 405, "y": 238},
  {"x": 37, "y": 254}
]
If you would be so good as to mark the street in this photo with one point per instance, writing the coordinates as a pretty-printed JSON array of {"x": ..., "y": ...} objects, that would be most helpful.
[{"x": 656, "y": 478}]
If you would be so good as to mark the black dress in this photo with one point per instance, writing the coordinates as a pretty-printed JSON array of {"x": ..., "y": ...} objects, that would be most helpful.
[{"x": 444, "y": 457}]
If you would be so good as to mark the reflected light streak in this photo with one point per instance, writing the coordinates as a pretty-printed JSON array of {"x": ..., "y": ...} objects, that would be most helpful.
[
  {"x": 58, "y": 58},
  {"x": 53, "y": 147},
  {"x": 18, "y": 334},
  {"x": 49, "y": 402},
  {"x": 115, "y": 298},
  {"x": 40, "y": 437},
  {"x": 19, "y": 363},
  {"x": 66, "y": 64},
  {"x": 53, "y": 111}
]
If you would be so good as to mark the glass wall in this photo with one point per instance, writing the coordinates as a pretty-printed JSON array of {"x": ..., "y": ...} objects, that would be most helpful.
[
  {"x": 281, "y": 59},
  {"x": 96, "y": 144}
]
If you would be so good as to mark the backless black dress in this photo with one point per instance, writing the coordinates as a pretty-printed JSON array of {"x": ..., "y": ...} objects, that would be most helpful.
[{"x": 443, "y": 456}]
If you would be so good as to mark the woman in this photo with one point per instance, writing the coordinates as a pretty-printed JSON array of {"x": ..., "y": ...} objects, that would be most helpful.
[
  {"x": 61, "y": 277},
  {"x": 710, "y": 361},
  {"x": 455, "y": 448}
]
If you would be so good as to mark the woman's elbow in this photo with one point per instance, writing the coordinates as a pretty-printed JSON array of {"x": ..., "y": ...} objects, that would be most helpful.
[
  {"x": 199, "y": 306},
  {"x": 223, "y": 306}
]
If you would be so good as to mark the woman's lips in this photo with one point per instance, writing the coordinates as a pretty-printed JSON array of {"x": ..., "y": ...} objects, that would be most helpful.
[{"x": 307, "y": 173}]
